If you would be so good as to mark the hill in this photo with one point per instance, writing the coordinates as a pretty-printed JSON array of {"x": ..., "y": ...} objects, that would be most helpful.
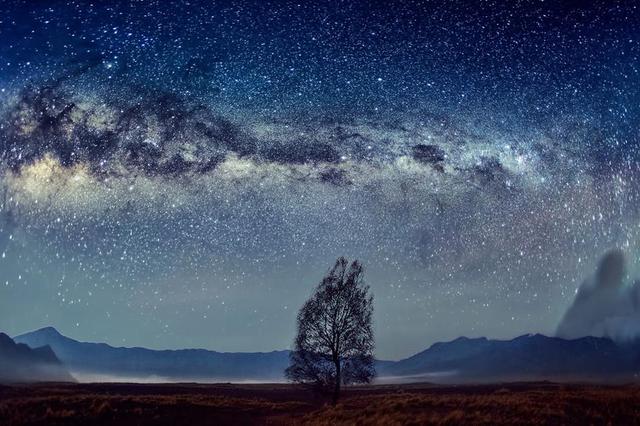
[
  {"x": 463, "y": 360},
  {"x": 20, "y": 363},
  {"x": 528, "y": 357},
  {"x": 170, "y": 365}
]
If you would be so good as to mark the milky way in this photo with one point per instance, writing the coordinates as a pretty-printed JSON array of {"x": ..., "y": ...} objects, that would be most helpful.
[{"x": 182, "y": 174}]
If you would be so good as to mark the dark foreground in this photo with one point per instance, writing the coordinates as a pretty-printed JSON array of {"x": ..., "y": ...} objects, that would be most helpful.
[{"x": 192, "y": 404}]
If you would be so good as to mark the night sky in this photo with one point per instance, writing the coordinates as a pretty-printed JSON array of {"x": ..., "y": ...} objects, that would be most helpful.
[{"x": 182, "y": 174}]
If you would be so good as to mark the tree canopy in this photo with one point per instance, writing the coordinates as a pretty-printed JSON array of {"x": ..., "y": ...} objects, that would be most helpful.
[{"x": 334, "y": 343}]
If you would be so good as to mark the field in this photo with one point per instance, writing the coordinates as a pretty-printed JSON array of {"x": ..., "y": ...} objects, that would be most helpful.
[{"x": 219, "y": 404}]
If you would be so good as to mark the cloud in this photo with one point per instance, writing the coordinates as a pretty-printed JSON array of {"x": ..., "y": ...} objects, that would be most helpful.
[{"x": 604, "y": 305}]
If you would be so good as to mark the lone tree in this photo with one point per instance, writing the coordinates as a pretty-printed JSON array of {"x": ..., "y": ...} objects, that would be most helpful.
[{"x": 334, "y": 345}]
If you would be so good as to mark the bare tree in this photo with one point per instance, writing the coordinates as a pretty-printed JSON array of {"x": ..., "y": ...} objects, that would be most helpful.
[{"x": 334, "y": 344}]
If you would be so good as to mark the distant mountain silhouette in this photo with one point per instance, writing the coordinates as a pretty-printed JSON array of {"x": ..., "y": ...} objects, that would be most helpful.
[
  {"x": 183, "y": 364},
  {"x": 20, "y": 363},
  {"x": 528, "y": 357}
]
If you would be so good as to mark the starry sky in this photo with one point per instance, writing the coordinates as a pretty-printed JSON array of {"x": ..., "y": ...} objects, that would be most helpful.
[{"x": 182, "y": 173}]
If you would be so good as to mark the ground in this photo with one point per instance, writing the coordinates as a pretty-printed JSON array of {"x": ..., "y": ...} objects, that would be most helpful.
[{"x": 219, "y": 404}]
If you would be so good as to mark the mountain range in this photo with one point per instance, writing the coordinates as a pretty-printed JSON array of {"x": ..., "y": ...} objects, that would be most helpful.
[
  {"x": 101, "y": 359},
  {"x": 528, "y": 357},
  {"x": 20, "y": 363}
]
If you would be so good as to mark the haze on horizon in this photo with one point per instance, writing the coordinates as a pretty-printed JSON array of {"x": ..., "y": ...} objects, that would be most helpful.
[{"x": 183, "y": 176}]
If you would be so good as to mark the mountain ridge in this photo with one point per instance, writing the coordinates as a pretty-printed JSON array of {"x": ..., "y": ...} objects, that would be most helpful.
[
  {"x": 193, "y": 363},
  {"x": 21, "y": 363},
  {"x": 525, "y": 357},
  {"x": 52, "y": 331},
  {"x": 464, "y": 359}
]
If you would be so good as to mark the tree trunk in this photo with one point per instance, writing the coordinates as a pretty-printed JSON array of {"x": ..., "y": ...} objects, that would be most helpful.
[{"x": 336, "y": 389}]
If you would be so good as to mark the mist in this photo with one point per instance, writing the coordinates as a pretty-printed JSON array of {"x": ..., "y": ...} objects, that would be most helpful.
[
  {"x": 88, "y": 377},
  {"x": 607, "y": 304}
]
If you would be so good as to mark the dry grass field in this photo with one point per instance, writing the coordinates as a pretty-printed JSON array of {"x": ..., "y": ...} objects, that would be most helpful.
[{"x": 220, "y": 404}]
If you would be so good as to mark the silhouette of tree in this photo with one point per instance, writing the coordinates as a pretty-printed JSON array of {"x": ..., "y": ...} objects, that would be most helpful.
[{"x": 334, "y": 344}]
